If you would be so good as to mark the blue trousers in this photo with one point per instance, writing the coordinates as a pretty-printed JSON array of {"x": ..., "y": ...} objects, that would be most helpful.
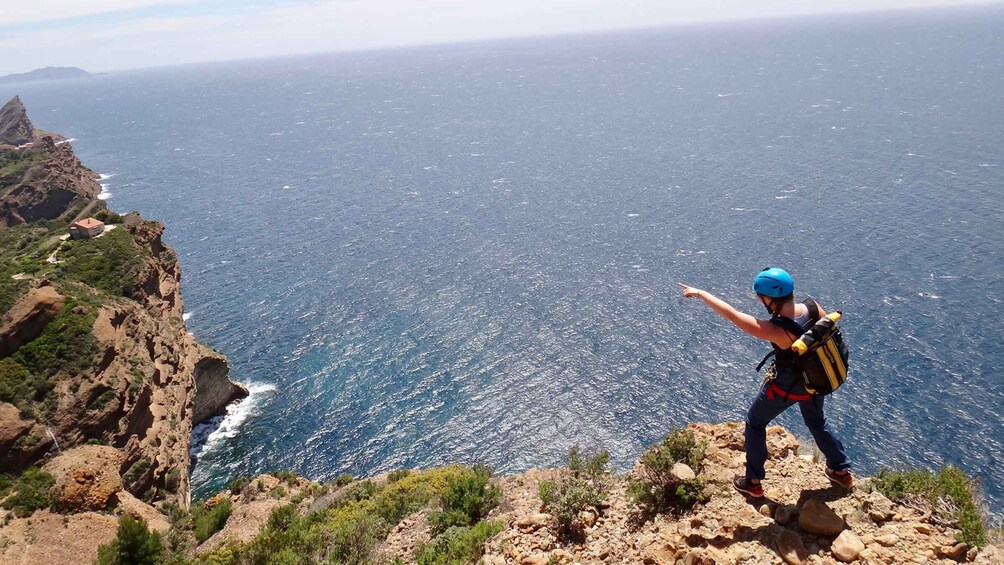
[{"x": 764, "y": 409}]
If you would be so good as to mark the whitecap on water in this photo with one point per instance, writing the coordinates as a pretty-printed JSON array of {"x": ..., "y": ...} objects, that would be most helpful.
[
  {"x": 186, "y": 316},
  {"x": 208, "y": 435},
  {"x": 105, "y": 194}
]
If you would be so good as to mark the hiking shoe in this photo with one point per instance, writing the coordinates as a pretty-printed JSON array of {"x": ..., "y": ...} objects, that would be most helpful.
[
  {"x": 746, "y": 486},
  {"x": 840, "y": 478}
]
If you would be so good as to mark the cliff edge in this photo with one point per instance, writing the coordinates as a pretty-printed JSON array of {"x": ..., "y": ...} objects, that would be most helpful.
[{"x": 93, "y": 346}]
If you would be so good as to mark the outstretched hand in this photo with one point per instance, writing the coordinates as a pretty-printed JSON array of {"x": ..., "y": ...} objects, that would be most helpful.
[{"x": 689, "y": 291}]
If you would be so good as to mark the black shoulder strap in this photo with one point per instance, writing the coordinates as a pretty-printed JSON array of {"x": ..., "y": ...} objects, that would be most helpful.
[
  {"x": 810, "y": 303},
  {"x": 789, "y": 325}
]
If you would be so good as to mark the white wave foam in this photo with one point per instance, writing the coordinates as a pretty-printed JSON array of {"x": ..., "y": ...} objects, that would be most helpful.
[
  {"x": 208, "y": 435},
  {"x": 65, "y": 141},
  {"x": 105, "y": 194},
  {"x": 727, "y": 94},
  {"x": 780, "y": 197},
  {"x": 186, "y": 316}
]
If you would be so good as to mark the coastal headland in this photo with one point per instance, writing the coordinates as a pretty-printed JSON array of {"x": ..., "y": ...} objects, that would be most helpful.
[{"x": 101, "y": 384}]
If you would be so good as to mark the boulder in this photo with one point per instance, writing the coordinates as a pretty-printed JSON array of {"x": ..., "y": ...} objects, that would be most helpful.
[
  {"x": 817, "y": 518},
  {"x": 533, "y": 522},
  {"x": 790, "y": 548},
  {"x": 784, "y": 514},
  {"x": 87, "y": 477},
  {"x": 847, "y": 546}
]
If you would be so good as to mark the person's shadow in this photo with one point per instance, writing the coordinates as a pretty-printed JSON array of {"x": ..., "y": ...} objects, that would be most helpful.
[{"x": 767, "y": 534}]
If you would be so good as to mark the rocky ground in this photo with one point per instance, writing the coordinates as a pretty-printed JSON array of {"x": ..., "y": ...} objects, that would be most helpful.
[{"x": 803, "y": 519}]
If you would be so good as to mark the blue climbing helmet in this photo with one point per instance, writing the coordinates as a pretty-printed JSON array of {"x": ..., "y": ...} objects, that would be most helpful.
[{"x": 773, "y": 282}]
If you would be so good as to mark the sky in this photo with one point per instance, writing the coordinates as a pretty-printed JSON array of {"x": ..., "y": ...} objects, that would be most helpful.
[{"x": 109, "y": 35}]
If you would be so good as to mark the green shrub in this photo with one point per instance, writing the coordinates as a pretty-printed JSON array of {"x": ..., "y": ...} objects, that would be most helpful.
[
  {"x": 6, "y": 481},
  {"x": 582, "y": 485},
  {"x": 343, "y": 479},
  {"x": 31, "y": 493},
  {"x": 288, "y": 477},
  {"x": 109, "y": 263},
  {"x": 281, "y": 518},
  {"x": 66, "y": 344},
  {"x": 346, "y": 532},
  {"x": 134, "y": 544},
  {"x": 458, "y": 545},
  {"x": 360, "y": 491},
  {"x": 135, "y": 472},
  {"x": 657, "y": 489},
  {"x": 207, "y": 522},
  {"x": 397, "y": 475},
  {"x": 466, "y": 500},
  {"x": 172, "y": 479},
  {"x": 950, "y": 495},
  {"x": 15, "y": 382},
  {"x": 237, "y": 485},
  {"x": 108, "y": 217}
]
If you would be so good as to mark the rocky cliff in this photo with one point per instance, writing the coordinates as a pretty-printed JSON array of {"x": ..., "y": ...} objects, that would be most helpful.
[
  {"x": 94, "y": 348},
  {"x": 15, "y": 127}
]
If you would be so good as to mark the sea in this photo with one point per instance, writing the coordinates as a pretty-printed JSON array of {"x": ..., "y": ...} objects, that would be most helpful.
[{"x": 471, "y": 252}]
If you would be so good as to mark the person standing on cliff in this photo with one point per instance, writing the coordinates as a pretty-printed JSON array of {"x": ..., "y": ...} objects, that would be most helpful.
[{"x": 783, "y": 386}]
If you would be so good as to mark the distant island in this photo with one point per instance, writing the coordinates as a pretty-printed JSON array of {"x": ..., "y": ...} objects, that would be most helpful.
[{"x": 48, "y": 73}]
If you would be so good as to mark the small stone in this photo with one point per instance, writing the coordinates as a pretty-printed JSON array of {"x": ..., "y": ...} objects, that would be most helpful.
[
  {"x": 972, "y": 553},
  {"x": 954, "y": 551},
  {"x": 923, "y": 528},
  {"x": 789, "y": 547},
  {"x": 817, "y": 518},
  {"x": 587, "y": 517},
  {"x": 683, "y": 472},
  {"x": 847, "y": 546},
  {"x": 533, "y": 522},
  {"x": 534, "y": 559},
  {"x": 765, "y": 510},
  {"x": 897, "y": 517},
  {"x": 887, "y": 540}
]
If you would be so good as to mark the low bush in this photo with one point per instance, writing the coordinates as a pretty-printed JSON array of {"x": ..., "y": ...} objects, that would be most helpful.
[
  {"x": 109, "y": 263},
  {"x": 343, "y": 479},
  {"x": 66, "y": 344},
  {"x": 288, "y": 477},
  {"x": 208, "y": 521},
  {"x": 346, "y": 532},
  {"x": 582, "y": 485},
  {"x": 466, "y": 500},
  {"x": 237, "y": 485},
  {"x": 656, "y": 488},
  {"x": 950, "y": 495},
  {"x": 397, "y": 475},
  {"x": 458, "y": 545},
  {"x": 31, "y": 493},
  {"x": 134, "y": 544},
  {"x": 135, "y": 473}
]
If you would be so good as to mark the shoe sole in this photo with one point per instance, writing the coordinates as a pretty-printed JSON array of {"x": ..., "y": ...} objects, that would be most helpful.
[
  {"x": 839, "y": 483},
  {"x": 748, "y": 493}
]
